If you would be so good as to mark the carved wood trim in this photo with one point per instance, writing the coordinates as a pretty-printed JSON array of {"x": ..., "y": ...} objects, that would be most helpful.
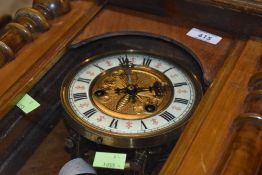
[
  {"x": 36, "y": 58},
  {"x": 28, "y": 21},
  {"x": 244, "y": 153},
  {"x": 202, "y": 144},
  {"x": 249, "y": 6}
]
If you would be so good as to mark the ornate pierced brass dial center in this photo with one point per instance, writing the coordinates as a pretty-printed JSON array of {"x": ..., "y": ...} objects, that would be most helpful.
[
  {"x": 131, "y": 89},
  {"x": 131, "y": 93},
  {"x": 130, "y": 99}
]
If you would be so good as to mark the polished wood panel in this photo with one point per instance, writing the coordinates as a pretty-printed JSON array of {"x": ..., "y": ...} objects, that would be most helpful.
[
  {"x": 228, "y": 68},
  {"x": 26, "y": 22},
  {"x": 35, "y": 59},
  {"x": 249, "y": 6},
  {"x": 210, "y": 56},
  {"x": 244, "y": 155},
  {"x": 205, "y": 142},
  {"x": 50, "y": 156},
  {"x": 228, "y": 49},
  {"x": 221, "y": 17},
  {"x": 225, "y": 15}
]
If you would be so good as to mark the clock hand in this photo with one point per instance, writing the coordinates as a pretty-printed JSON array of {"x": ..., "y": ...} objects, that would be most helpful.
[
  {"x": 102, "y": 92},
  {"x": 127, "y": 65},
  {"x": 129, "y": 76},
  {"x": 121, "y": 90},
  {"x": 157, "y": 87}
]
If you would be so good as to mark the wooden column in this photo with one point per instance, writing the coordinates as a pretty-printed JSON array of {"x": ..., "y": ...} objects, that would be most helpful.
[
  {"x": 244, "y": 155},
  {"x": 35, "y": 58},
  {"x": 28, "y": 21},
  {"x": 209, "y": 134}
]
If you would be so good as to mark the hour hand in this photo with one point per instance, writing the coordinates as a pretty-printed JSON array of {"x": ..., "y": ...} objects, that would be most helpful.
[
  {"x": 121, "y": 90},
  {"x": 103, "y": 92},
  {"x": 159, "y": 88},
  {"x": 129, "y": 76}
]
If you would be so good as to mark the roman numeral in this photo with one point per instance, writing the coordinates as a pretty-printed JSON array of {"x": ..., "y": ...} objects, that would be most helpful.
[
  {"x": 124, "y": 61},
  {"x": 90, "y": 112},
  {"x": 143, "y": 125},
  {"x": 100, "y": 68},
  {"x": 180, "y": 84},
  {"x": 146, "y": 61},
  {"x": 167, "y": 116},
  {"x": 84, "y": 80},
  {"x": 168, "y": 69},
  {"x": 113, "y": 123},
  {"x": 181, "y": 100},
  {"x": 79, "y": 96}
]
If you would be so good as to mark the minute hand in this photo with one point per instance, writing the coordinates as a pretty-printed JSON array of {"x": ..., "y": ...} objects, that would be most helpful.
[{"x": 129, "y": 76}]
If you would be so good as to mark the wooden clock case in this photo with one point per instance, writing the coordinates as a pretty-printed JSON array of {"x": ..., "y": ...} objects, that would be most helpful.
[{"x": 224, "y": 133}]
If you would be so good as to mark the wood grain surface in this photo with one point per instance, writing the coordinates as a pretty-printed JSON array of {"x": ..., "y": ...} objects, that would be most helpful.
[
  {"x": 115, "y": 20},
  {"x": 35, "y": 59},
  {"x": 202, "y": 144},
  {"x": 211, "y": 56},
  {"x": 227, "y": 67},
  {"x": 50, "y": 156},
  {"x": 245, "y": 151},
  {"x": 249, "y": 6}
]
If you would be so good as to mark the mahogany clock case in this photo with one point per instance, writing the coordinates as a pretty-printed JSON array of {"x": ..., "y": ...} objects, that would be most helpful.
[
  {"x": 228, "y": 65},
  {"x": 46, "y": 92},
  {"x": 134, "y": 42}
]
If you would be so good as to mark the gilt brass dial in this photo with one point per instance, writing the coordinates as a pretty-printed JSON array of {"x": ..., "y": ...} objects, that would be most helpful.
[
  {"x": 129, "y": 93},
  {"x": 129, "y": 99}
]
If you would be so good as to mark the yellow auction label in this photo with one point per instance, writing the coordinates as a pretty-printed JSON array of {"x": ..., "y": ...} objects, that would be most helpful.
[{"x": 110, "y": 160}]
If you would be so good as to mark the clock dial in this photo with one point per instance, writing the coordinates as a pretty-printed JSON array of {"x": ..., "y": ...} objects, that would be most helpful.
[{"x": 129, "y": 95}]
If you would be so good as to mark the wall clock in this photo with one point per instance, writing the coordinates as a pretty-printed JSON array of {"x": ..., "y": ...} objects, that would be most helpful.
[{"x": 136, "y": 92}]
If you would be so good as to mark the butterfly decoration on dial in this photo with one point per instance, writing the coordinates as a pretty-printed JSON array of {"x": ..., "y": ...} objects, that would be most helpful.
[{"x": 129, "y": 99}]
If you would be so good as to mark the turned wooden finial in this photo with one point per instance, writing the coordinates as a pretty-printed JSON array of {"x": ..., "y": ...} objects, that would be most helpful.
[
  {"x": 52, "y": 8},
  {"x": 26, "y": 22}
]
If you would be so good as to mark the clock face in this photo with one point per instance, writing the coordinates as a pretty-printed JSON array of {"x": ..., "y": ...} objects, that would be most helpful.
[{"x": 130, "y": 96}]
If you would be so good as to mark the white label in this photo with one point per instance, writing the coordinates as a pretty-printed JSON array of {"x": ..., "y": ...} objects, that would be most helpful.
[{"x": 204, "y": 36}]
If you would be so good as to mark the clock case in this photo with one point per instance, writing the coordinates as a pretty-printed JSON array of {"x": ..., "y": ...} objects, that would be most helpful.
[
  {"x": 17, "y": 149},
  {"x": 140, "y": 151},
  {"x": 134, "y": 42}
]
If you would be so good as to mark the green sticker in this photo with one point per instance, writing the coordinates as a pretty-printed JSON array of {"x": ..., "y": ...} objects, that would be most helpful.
[
  {"x": 27, "y": 104},
  {"x": 110, "y": 160}
]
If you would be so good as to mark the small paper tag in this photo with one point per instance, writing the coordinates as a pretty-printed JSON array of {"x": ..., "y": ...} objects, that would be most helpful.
[
  {"x": 204, "y": 36},
  {"x": 27, "y": 104},
  {"x": 110, "y": 160}
]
